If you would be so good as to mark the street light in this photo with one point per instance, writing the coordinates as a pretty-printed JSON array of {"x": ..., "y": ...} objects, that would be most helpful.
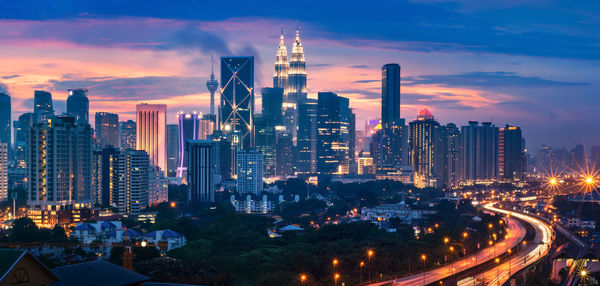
[
  {"x": 335, "y": 262},
  {"x": 336, "y": 277},
  {"x": 143, "y": 243},
  {"x": 423, "y": 257},
  {"x": 452, "y": 252},
  {"x": 303, "y": 278},
  {"x": 370, "y": 254},
  {"x": 362, "y": 264}
]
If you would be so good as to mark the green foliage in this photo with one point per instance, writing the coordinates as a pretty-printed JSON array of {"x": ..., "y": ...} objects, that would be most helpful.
[
  {"x": 59, "y": 234},
  {"x": 25, "y": 230},
  {"x": 143, "y": 253}
]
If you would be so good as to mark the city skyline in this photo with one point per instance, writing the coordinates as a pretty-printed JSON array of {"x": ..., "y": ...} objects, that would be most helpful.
[{"x": 164, "y": 57}]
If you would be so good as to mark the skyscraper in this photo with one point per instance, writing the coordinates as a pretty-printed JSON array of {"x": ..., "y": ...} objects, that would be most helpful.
[
  {"x": 479, "y": 151},
  {"x": 105, "y": 176},
  {"x": 306, "y": 158},
  {"x": 212, "y": 84},
  {"x": 59, "y": 165},
  {"x": 3, "y": 172},
  {"x": 390, "y": 93},
  {"x": 265, "y": 139},
  {"x": 453, "y": 156},
  {"x": 158, "y": 186},
  {"x": 133, "y": 181},
  {"x": 296, "y": 84},
  {"x": 107, "y": 129},
  {"x": 333, "y": 137},
  {"x": 272, "y": 104},
  {"x": 237, "y": 98},
  {"x": 510, "y": 153},
  {"x": 5, "y": 112},
  {"x": 172, "y": 149},
  {"x": 423, "y": 134},
  {"x": 189, "y": 125},
  {"x": 249, "y": 171},
  {"x": 22, "y": 126},
  {"x": 202, "y": 167},
  {"x": 207, "y": 126},
  {"x": 284, "y": 152},
  {"x": 78, "y": 105},
  {"x": 282, "y": 66},
  {"x": 127, "y": 134},
  {"x": 42, "y": 105},
  {"x": 151, "y": 132}
]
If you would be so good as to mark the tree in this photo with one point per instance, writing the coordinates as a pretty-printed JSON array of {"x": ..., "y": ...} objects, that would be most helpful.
[{"x": 58, "y": 233}]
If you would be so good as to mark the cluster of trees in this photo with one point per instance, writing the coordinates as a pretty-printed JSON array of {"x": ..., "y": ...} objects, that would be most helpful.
[
  {"x": 25, "y": 230},
  {"x": 233, "y": 249}
]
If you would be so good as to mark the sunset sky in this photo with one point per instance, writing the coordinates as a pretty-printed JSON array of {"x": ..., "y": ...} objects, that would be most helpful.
[{"x": 532, "y": 63}]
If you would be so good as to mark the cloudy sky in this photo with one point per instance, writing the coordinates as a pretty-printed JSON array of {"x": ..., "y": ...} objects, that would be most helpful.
[{"x": 532, "y": 63}]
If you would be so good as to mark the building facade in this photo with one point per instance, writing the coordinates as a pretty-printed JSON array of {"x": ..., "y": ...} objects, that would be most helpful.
[
  {"x": 333, "y": 137},
  {"x": 42, "y": 106},
  {"x": 189, "y": 127},
  {"x": 107, "y": 129},
  {"x": 78, "y": 105},
  {"x": 249, "y": 171},
  {"x": 127, "y": 134},
  {"x": 201, "y": 175},
  {"x": 422, "y": 149},
  {"x": 132, "y": 196},
  {"x": 151, "y": 132},
  {"x": 237, "y": 99}
]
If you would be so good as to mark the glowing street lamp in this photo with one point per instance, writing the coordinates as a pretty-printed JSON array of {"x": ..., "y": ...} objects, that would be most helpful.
[
  {"x": 335, "y": 262},
  {"x": 423, "y": 257},
  {"x": 370, "y": 254},
  {"x": 303, "y": 278},
  {"x": 336, "y": 277},
  {"x": 362, "y": 264}
]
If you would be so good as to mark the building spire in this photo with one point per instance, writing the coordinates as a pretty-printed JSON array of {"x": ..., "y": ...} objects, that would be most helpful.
[
  {"x": 297, "y": 31},
  {"x": 212, "y": 68}
]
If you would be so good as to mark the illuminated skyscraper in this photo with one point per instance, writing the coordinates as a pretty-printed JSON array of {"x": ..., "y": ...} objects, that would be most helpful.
[
  {"x": 189, "y": 125},
  {"x": 21, "y": 127},
  {"x": 212, "y": 84},
  {"x": 59, "y": 163},
  {"x": 132, "y": 196},
  {"x": 127, "y": 131},
  {"x": 207, "y": 126},
  {"x": 393, "y": 133},
  {"x": 237, "y": 99},
  {"x": 306, "y": 157},
  {"x": 296, "y": 84},
  {"x": 107, "y": 129},
  {"x": 422, "y": 148},
  {"x": 390, "y": 93},
  {"x": 249, "y": 171},
  {"x": 452, "y": 134},
  {"x": 333, "y": 137},
  {"x": 282, "y": 66},
  {"x": 510, "y": 153},
  {"x": 42, "y": 105},
  {"x": 151, "y": 132},
  {"x": 479, "y": 151},
  {"x": 78, "y": 105},
  {"x": 105, "y": 176}
]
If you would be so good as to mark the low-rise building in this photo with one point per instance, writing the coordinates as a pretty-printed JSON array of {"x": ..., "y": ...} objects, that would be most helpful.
[
  {"x": 401, "y": 211},
  {"x": 249, "y": 203}
]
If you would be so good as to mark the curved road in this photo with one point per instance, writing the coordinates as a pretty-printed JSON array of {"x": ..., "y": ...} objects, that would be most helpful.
[
  {"x": 516, "y": 234},
  {"x": 534, "y": 251}
]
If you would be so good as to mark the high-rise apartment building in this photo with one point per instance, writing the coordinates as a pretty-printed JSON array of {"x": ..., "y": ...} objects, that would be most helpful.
[
  {"x": 207, "y": 126},
  {"x": 510, "y": 153},
  {"x": 333, "y": 134},
  {"x": 249, "y": 171},
  {"x": 265, "y": 140},
  {"x": 151, "y": 132},
  {"x": 107, "y": 129},
  {"x": 105, "y": 176},
  {"x": 422, "y": 149},
  {"x": 78, "y": 105},
  {"x": 452, "y": 155},
  {"x": 202, "y": 162},
  {"x": 158, "y": 186},
  {"x": 132, "y": 196},
  {"x": 127, "y": 134},
  {"x": 42, "y": 106},
  {"x": 479, "y": 151},
  {"x": 237, "y": 99},
  {"x": 59, "y": 165}
]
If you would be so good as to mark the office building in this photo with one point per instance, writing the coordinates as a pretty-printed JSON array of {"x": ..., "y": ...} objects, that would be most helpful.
[
  {"x": 172, "y": 149},
  {"x": 107, "y": 129},
  {"x": 207, "y": 126},
  {"x": 133, "y": 182},
  {"x": 333, "y": 137},
  {"x": 282, "y": 66},
  {"x": 42, "y": 106},
  {"x": 105, "y": 176},
  {"x": 249, "y": 171},
  {"x": 3, "y": 172},
  {"x": 578, "y": 158},
  {"x": 306, "y": 156},
  {"x": 202, "y": 167},
  {"x": 225, "y": 154},
  {"x": 510, "y": 154},
  {"x": 422, "y": 149},
  {"x": 390, "y": 93},
  {"x": 127, "y": 134},
  {"x": 59, "y": 165},
  {"x": 284, "y": 152},
  {"x": 78, "y": 105},
  {"x": 392, "y": 139},
  {"x": 265, "y": 139},
  {"x": 296, "y": 84},
  {"x": 237, "y": 99},
  {"x": 151, "y": 132},
  {"x": 5, "y": 113},
  {"x": 21, "y": 128},
  {"x": 189, "y": 127}
]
